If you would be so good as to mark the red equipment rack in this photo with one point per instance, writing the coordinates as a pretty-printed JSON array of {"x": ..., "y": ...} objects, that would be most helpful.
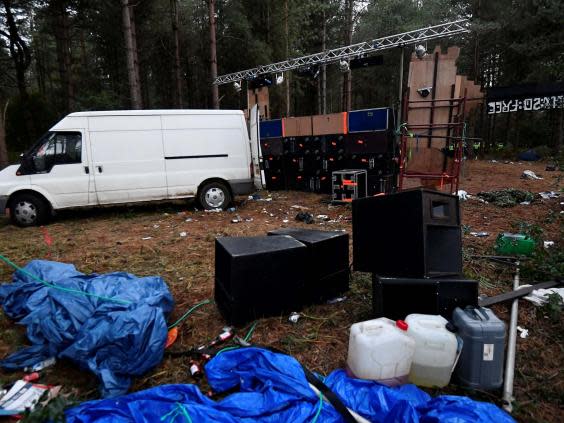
[{"x": 454, "y": 138}]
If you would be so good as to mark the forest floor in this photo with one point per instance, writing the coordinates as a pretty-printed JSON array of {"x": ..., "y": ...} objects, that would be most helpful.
[{"x": 112, "y": 239}]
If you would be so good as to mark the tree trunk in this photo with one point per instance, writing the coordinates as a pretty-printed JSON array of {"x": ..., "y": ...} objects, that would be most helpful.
[
  {"x": 213, "y": 55},
  {"x": 347, "y": 77},
  {"x": 3, "y": 149},
  {"x": 19, "y": 51},
  {"x": 61, "y": 28},
  {"x": 177, "y": 74},
  {"x": 131, "y": 51},
  {"x": 287, "y": 35}
]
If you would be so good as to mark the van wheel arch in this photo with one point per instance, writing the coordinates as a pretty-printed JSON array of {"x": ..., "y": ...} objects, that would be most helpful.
[
  {"x": 44, "y": 207},
  {"x": 210, "y": 183}
]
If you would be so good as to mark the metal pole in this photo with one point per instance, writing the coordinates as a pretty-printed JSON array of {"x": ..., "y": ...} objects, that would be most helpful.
[
  {"x": 511, "y": 346},
  {"x": 400, "y": 92}
]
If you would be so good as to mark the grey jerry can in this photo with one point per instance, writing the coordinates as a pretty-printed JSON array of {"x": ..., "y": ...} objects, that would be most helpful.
[{"x": 483, "y": 334}]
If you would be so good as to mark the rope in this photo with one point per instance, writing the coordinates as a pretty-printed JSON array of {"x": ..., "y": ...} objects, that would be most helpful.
[
  {"x": 173, "y": 413},
  {"x": 60, "y": 288},
  {"x": 185, "y": 315}
]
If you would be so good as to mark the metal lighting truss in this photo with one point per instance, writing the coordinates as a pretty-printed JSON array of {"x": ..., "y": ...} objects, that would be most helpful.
[{"x": 349, "y": 52}]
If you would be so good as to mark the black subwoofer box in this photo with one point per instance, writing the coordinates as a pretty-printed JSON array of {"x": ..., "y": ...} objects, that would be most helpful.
[
  {"x": 413, "y": 233},
  {"x": 327, "y": 265},
  {"x": 258, "y": 276},
  {"x": 271, "y": 147},
  {"x": 395, "y": 298}
]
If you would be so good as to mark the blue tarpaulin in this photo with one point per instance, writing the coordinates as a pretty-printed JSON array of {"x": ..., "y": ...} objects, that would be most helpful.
[
  {"x": 271, "y": 387},
  {"x": 116, "y": 328}
]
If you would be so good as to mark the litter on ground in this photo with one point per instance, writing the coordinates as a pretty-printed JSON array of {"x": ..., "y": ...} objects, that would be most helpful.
[{"x": 506, "y": 197}]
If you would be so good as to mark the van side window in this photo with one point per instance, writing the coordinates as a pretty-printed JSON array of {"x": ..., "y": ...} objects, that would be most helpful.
[{"x": 59, "y": 148}]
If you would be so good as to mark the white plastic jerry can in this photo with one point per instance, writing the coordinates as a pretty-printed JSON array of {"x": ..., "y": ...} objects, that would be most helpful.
[
  {"x": 380, "y": 350},
  {"x": 435, "y": 350}
]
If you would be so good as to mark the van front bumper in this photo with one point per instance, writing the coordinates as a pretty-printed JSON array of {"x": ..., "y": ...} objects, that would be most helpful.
[
  {"x": 3, "y": 204},
  {"x": 242, "y": 186}
]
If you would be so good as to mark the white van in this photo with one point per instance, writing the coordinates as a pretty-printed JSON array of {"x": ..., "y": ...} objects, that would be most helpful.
[{"x": 117, "y": 157}]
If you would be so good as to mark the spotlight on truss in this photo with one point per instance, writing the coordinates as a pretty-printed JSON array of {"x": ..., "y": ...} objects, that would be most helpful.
[
  {"x": 279, "y": 79},
  {"x": 344, "y": 66},
  {"x": 420, "y": 51},
  {"x": 237, "y": 86}
]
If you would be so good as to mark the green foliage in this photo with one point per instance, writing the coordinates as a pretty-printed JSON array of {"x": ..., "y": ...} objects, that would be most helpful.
[
  {"x": 553, "y": 307},
  {"x": 544, "y": 265},
  {"x": 53, "y": 411},
  {"x": 532, "y": 230},
  {"x": 27, "y": 120}
]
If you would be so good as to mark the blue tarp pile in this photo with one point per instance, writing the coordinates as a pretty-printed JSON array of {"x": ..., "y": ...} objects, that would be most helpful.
[
  {"x": 272, "y": 388},
  {"x": 116, "y": 328}
]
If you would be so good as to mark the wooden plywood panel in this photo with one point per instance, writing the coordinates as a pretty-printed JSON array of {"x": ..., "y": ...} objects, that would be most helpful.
[
  {"x": 260, "y": 96},
  {"x": 334, "y": 123},
  {"x": 425, "y": 158},
  {"x": 298, "y": 126}
]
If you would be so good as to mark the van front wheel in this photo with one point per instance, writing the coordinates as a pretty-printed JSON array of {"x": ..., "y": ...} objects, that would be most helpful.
[
  {"x": 28, "y": 210},
  {"x": 214, "y": 195}
]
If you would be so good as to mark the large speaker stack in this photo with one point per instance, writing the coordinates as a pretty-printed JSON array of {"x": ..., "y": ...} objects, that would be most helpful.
[
  {"x": 270, "y": 275},
  {"x": 301, "y": 153},
  {"x": 412, "y": 244}
]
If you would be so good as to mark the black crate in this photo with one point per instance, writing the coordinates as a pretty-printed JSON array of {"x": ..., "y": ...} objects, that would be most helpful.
[
  {"x": 414, "y": 233},
  {"x": 259, "y": 276},
  {"x": 271, "y": 147},
  {"x": 328, "y": 262},
  {"x": 348, "y": 185},
  {"x": 395, "y": 298}
]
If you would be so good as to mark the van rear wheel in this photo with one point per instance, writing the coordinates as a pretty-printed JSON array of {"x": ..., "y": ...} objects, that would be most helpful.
[
  {"x": 214, "y": 195},
  {"x": 28, "y": 210}
]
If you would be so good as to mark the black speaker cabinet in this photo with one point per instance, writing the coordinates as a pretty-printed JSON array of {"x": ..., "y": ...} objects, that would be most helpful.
[
  {"x": 258, "y": 276},
  {"x": 271, "y": 147},
  {"x": 413, "y": 233},
  {"x": 395, "y": 298},
  {"x": 327, "y": 266},
  {"x": 274, "y": 179},
  {"x": 369, "y": 142}
]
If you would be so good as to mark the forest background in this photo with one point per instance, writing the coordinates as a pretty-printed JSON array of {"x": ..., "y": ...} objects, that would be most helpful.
[{"x": 60, "y": 56}]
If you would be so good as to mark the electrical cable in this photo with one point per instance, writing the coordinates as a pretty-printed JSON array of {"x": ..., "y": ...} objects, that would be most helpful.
[
  {"x": 319, "y": 407},
  {"x": 250, "y": 332},
  {"x": 185, "y": 315},
  {"x": 60, "y": 288}
]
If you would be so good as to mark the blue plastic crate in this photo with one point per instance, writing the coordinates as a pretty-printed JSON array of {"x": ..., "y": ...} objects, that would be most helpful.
[
  {"x": 271, "y": 128},
  {"x": 369, "y": 120}
]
